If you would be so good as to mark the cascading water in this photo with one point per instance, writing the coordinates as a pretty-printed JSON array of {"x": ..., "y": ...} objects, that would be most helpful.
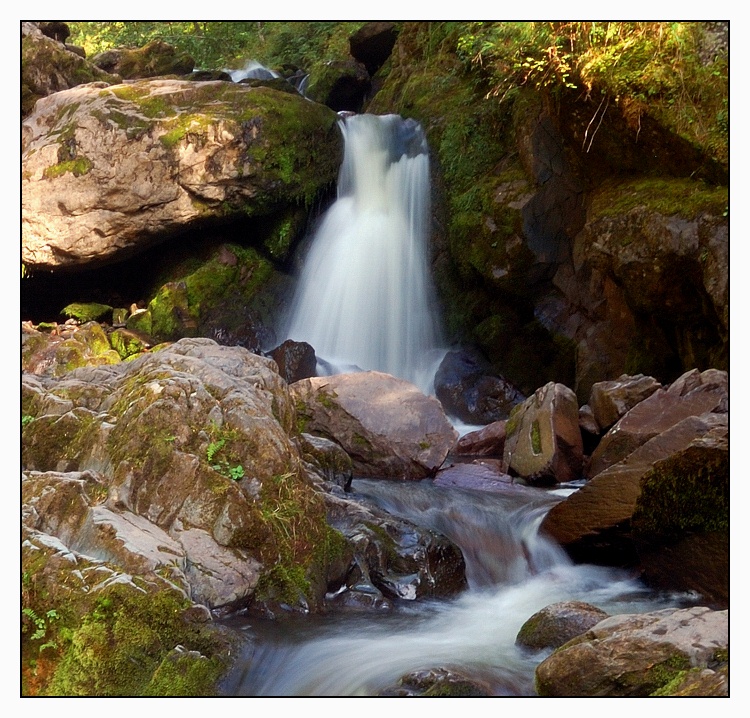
[
  {"x": 365, "y": 298},
  {"x": 512, "y": 572}
]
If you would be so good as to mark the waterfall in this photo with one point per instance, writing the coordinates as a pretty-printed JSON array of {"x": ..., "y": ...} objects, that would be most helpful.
[{"x": 365, "y": 299}]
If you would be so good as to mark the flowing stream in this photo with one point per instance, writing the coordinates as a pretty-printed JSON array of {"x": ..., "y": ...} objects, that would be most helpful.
[
  {"x": 365, "y": 301},
  {"x": 512, "y": 573}
]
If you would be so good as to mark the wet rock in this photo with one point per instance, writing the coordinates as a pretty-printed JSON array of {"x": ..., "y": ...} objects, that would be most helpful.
[
  {"x": 296, "y": 360},
  {"x": 693, "y": 394},
  {"x": 388, "y": 427},
  {"x": 543, "y": 442},
  {"x": 333, "y": 463},
  {"x": 438, "y": 683},
  {"x": 392, "y": 558},
  {"x": 341, "y": 85},
  {"x": 558, "y": 623},
  {"x": 639, "y": 655},
  {"x": 466, "y": 388}
]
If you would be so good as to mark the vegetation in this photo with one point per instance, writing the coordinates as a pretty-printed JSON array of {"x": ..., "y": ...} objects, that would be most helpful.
[{"x": 220, "y": 44}]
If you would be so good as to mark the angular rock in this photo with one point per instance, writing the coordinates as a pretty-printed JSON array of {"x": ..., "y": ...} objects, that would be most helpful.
[
  {"x": 388, "y": 427},
  {"x": 489, "y": 441},
  {"x": 334, "y": 464},
  {"x": 543, "y": 441},
  {"x": 47, "y": 66},
  {"x": 639, "y": 512},
  {"x": 558, "y": 623},
  {"x": 693, "y": 394},
  {"x": 141, "y": 161},
  {"x": 638, "y": 655},
  {"x": 610, "y": 400}
]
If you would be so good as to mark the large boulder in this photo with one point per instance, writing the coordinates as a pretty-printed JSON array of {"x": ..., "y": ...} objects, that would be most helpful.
[
  {"x": 666, "y": 501},
  {"x": 693, "y": 394},
  {"x": 108, "y": 171},
  {"x": 48, "y": 66},
  {"x": 659, "y": 653},
  {"x": 388, "y": 427},
  {"x": 189, "y": 454},
  {"x": 543, "y": 441},
  {"x": 372, "y": 44}
]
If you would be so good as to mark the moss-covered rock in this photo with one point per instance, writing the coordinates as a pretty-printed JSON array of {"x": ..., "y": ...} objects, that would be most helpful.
[
  {"x": 154, "y": 59},
  {"x": 198, "y": 150}
]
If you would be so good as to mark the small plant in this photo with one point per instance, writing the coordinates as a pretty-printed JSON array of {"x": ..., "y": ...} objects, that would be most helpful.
[
  {"x": 26, "y": 420},
  {"x": 222, "y": 465},
  {"x": 40, "y": 625}
]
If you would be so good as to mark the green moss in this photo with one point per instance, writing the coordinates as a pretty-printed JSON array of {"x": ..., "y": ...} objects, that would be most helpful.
[
  {"x": 664, "y": 195},
  {"x": 121, "y": 647},
  {"x": 686, "y": 492},
  {"x": 77, "y": 167},
  {"x": 326, "y": 398},
  {"x": 536, "y": 438},
  {"x": 86, "y": 312},
  {"x": 125, "y": 343}
]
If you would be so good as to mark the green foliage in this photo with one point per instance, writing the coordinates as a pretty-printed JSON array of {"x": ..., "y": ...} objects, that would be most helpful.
[
  {"x": 26, "y": 420},
  {"x": 220, "y": 44},
  {"x": 222, "y": 460},
  {"x": 39, "y": 626},
  {"x": 654, "y": 67},
  {"x": 88, "y": 312}
]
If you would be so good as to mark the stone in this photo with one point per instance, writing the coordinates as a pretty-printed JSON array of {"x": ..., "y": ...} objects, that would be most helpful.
[
  {"x": 610, "y": 400},
  {"x": 693, "y": 394},
  {"x": 489, "y": 441},
  {"x": 468, "y": 391},
  {"x": 543, "y": 441},
  {"x": 296, "y": 360},
  {"x": 638, "y": 655},
  {"x": 372, "y": 44},
  {"x": 388, "y": 427},
  {"x": 143, "y": 161},
  {"x": 557, "y": 624},
  {"x": 637, "y": 513}
]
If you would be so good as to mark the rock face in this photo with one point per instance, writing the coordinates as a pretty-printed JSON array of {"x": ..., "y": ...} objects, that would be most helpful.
[
  {"x": 543, "y": 441},
  {"x": 659, "y": 653},
  {"x": 372, "y": 44},
  {"x": 558, "y": 623},
  {"x": 109, "y": 170},
  {"x": 611, "y": 400},
  {"x": 388, "y": 427},
  {"x": 489, "y": 441}
]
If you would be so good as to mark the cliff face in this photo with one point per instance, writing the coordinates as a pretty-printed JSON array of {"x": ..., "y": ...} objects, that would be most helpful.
[{"x": 583, "y": 220}]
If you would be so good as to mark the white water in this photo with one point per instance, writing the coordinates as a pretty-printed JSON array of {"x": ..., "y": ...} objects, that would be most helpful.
[
  {"x": 365, "y": 298},
  {"x": 474, "y": 634}
]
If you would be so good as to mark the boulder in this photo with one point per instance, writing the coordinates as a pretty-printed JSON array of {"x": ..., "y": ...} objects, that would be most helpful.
[
  {"x": 48, "y": 66},
  {"x": 488, "y": 441},
  {"x": 296, "y": 360},
  {"x": 667, "y": 495},
  {"x": 438, "y": 683},
  {"x": 693, "y": 394},
  {"x": 543, "y": 441},
  {"x": 146, "y": 160},
  {"x": 466, "y": 388},
  {"x": 341, "y": 85},
  {"x": 610, "y": 400},
  {"x": 557, "y": 624},
  {"x": 190, "y": 443},
  {"x": 388, "y": 427},
  {"x": 641, "y": 655},
  {"x": 152, "y": 60}
]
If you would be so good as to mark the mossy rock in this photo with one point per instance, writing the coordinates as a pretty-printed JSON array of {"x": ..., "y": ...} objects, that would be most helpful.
[{"x": 86, "y": 312}]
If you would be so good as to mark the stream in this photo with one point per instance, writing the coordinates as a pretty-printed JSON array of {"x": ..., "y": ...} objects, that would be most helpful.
[{"x": 512, "y": 572}]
